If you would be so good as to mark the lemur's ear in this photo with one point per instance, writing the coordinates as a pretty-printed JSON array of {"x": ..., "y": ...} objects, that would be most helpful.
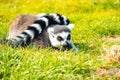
[
  {"x": 50, "y": 30},
  {"x": 70, "y": 26}
]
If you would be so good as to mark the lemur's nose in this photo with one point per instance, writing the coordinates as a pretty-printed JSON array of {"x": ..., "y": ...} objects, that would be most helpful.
[{"x": 67, "y": 45}]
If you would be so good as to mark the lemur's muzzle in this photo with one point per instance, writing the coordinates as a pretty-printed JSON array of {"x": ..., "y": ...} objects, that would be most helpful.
[{"x": 67, "y": 46}]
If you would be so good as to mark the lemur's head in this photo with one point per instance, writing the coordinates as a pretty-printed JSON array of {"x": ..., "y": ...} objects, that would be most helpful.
[{"x": 60, "y": 35}]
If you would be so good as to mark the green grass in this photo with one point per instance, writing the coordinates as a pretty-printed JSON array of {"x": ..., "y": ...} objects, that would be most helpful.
[{"x": 93, "y": 20}]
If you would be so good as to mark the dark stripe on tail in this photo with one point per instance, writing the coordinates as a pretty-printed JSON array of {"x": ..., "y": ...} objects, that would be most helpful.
[
  {"x": 28, "y": 37},
  {"x": 68, "y": 21},
  {"x": 41, "y": 23},
  {"x": 51, "y": 20},
  {"x": 61, "y": 19},
  {"x": 34, "y": 30},
  {"x": 19, "y": 37}
]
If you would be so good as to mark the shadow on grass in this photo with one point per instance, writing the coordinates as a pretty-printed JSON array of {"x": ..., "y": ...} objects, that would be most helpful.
[{"x": 84, "y": 47}]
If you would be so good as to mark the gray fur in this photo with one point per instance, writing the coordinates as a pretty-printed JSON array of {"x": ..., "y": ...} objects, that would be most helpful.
[
  {"x": 42, "y": 40},
  {"x": 60, "y": 28}
]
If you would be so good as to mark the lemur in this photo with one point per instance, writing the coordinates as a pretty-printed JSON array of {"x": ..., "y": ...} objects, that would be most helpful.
[{"x": 44, "y": 30}]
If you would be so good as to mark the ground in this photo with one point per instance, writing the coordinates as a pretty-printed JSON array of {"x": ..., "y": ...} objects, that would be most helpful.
[{"x": 96, "y": 32}]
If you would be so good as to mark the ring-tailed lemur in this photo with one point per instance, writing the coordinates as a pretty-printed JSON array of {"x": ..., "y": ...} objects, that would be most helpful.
[{"x": 57, "y": 26}]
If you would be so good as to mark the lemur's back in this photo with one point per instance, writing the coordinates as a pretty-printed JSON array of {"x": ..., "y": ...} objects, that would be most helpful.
[{"x": 21, "y": 23}]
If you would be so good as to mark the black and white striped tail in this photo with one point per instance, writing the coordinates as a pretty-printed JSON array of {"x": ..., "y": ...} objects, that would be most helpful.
[{"x": 36, "y": 28}]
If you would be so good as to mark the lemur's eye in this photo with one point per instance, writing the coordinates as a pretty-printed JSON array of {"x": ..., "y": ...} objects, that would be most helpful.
[
  {"x": 69, "y": 37},
  {"x": 59, "y": 38}
]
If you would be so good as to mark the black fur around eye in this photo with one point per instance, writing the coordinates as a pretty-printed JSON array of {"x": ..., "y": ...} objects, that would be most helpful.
[
  {"x": 69, "y": 37},
  {"x": 59, "y": 38}
]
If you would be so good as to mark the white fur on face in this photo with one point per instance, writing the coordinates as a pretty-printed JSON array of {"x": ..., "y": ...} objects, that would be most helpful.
[
  {"x": 57, "y": 43},
  {"x": 53, "y": 37}
]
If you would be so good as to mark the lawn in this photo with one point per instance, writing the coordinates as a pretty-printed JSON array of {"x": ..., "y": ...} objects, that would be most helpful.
[{"x": 97, "y": 29}]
